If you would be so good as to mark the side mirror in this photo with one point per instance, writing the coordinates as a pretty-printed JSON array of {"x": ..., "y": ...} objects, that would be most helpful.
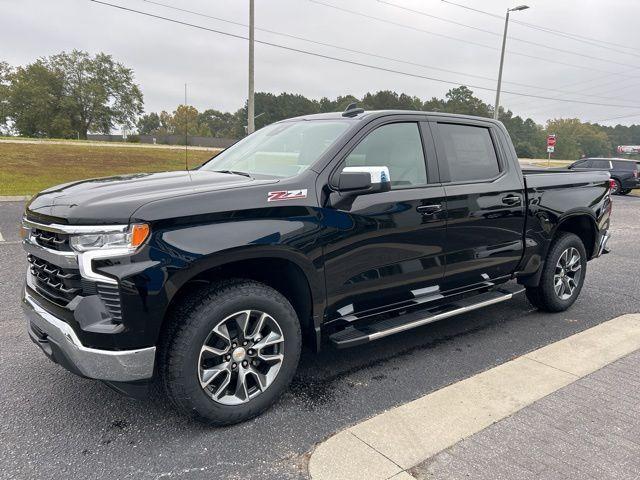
[{"x": 356, "y": 181}]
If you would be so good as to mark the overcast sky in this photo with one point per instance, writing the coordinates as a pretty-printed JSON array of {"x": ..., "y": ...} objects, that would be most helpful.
[{"x": 165, "y": 56}]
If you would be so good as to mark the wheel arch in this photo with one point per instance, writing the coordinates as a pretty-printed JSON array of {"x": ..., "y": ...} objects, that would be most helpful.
[
  {"x": 579, "y": 222},
  {"x": 582, "y": 224},
  {"x": 287, "y": 272}
]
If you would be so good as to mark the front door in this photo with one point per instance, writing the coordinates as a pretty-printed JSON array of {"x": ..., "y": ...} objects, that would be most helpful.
[
  {"x": 387, "y": 248},
  {"x": 485, "y": 201}
]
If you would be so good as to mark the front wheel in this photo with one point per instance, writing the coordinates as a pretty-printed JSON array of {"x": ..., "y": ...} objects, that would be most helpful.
[
  {"x": 562, "y": 275},
  {"x": 230, "y": 352}
]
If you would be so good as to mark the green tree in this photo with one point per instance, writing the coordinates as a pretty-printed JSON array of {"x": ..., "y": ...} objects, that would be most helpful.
[
  {"x": 33, "y": 102},
  {"x": 461, "y": 100},
  {"x": 387, "y": 99},
  {"x": 185, "y": 121},
  {"x": 98, "y": 92},
  {"x": 528, "y": 137},
  {"x": 149, "y": 124},
  {"x": 434, "y": 105},
  {"x": 219, "y": 124},
  {"x": 337, "y": 105},
  {"x": 576, "y": 139}
]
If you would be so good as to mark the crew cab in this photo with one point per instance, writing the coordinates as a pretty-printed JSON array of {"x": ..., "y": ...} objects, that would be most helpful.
[{"x": 329, "y": 230}]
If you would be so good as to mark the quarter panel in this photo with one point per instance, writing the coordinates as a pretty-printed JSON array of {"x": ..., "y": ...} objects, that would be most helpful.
[{"x": 555, "y": 196}]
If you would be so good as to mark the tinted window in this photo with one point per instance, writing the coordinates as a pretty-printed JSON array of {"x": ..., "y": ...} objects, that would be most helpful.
[
  {"x": 625, "y": 165},
  {"x": 579, "y": 164},
  {"x": 470, "y": 152},
  {"x": 397, "y": 146},
  {"x": 604, "y": 164}
]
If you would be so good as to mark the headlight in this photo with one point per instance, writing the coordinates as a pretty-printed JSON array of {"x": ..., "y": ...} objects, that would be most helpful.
[{"x": 129, "y": 240}]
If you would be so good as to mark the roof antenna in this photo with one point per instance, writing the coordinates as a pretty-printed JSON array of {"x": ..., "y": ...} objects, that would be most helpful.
[{"x": 352, "y": 110}]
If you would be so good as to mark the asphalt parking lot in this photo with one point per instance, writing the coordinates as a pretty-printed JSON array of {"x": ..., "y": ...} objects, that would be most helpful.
[{"x": 56, "y": 425}]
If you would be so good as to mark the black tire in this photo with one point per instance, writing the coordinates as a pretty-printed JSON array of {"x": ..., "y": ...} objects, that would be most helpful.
[
  {"x": 544, "y": 296},
  {"x": 625, "y": 191},
  {"x": 191, "y": 325},
  {"x": 617, "y": 187}
]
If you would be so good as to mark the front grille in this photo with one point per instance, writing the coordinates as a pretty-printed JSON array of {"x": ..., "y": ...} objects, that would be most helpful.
[
  {"x": 51, "y": 240},
  {"x": 56, "y": 284}
]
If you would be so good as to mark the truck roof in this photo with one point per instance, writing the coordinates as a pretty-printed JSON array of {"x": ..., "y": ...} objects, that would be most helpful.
[
  {"x": 369, "y": 114},
  {"x": 617, "y": 159}
]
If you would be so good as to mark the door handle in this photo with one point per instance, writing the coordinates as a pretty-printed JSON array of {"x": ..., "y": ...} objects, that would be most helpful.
[
  {"x": 512, "y": 200},
  {"x": 429, "y": 209}
]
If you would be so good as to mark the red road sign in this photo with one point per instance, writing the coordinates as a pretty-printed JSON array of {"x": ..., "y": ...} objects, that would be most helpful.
[{"x": 551, "y": 140}]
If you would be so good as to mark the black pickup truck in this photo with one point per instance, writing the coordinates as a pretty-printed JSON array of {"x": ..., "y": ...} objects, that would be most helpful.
[{"x": 332, "y": 229}]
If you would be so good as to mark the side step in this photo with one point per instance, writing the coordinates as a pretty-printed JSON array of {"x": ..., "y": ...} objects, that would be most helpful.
[{"x": 357, "y": 335}]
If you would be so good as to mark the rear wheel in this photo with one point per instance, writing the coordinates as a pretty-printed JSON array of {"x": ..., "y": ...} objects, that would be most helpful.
[
  {"x": 231, "y": 352},
  {"x": 625, "y": 191},
  {"x": 562, "y": 275}
]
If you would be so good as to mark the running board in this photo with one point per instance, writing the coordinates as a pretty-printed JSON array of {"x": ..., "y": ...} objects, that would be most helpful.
[{"x": 357, "y": 335}]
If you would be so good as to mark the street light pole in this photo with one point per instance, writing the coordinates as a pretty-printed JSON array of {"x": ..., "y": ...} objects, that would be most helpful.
[
  {"x": 504, "y": 43},
  {"x": 250, "y": 102}
]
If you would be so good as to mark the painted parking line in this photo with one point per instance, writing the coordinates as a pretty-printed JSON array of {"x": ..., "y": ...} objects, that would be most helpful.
[
  {"x": 385, "y": 446},
  {"x": 1, "y": 237}
]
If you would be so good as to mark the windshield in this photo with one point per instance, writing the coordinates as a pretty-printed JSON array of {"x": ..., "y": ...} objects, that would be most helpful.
[{"x": 280, "y": 149}]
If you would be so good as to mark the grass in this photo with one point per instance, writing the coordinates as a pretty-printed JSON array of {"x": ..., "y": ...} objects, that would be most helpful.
[
  {"x": 543, "y": 162},
  {"x": 26, "y": 169}
]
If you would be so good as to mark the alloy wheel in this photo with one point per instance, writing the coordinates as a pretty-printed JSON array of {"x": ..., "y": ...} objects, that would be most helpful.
[
  {"x": 241, "y": 357},
  {"x": 567, "y": 274}
]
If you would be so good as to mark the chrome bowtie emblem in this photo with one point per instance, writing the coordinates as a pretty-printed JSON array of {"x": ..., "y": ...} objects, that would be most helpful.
[{"x": 239, "y": 354}]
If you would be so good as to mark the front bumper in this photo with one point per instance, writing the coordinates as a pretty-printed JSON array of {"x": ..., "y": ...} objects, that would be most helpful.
[{"x": 61, "y": 344}]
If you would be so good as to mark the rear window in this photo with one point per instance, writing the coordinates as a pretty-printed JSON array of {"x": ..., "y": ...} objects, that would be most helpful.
[{"x": 470, "y": 152}]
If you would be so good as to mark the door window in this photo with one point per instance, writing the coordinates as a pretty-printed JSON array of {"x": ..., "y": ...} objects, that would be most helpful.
[
  {"x": 470, "y": 152},
  {"x": 601, "y": 164},
  {"x": 397, "y": 146}
]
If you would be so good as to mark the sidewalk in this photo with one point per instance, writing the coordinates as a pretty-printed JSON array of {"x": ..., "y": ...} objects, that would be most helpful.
[
  {"x": 569, "y": 410},
  {"x": 588, "y": 429}
]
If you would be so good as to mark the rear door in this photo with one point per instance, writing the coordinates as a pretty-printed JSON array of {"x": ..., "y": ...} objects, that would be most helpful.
[
  {"x": 485, "y": 203},
  {"x": 387, "y": 248}
]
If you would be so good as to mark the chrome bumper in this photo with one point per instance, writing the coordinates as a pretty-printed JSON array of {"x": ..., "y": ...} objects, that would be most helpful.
[{"x": 61, "y": 344}]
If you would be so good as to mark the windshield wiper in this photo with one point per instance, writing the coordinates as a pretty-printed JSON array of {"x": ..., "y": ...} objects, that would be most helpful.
[{"x": 233, "y": 172}]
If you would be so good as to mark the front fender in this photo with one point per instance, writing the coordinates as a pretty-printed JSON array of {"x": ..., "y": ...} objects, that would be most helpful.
[
  {"x": 176, "y": 253},
  {"x": 195, "y": 249}
]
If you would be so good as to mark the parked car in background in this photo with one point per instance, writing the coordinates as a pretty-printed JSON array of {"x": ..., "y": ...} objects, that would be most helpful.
[{"x": 625, "y": 173}]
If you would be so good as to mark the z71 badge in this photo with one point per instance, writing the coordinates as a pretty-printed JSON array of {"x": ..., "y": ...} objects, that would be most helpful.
[{"x": 286, "y": 195}]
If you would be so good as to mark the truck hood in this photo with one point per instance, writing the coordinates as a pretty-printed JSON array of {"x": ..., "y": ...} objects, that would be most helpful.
[{"x": 114, "y": 199}]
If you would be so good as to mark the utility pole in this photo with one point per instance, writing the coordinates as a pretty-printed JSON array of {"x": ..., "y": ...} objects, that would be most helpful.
[
  {"x": 504, "y": 43},
  {"x": 250, "y": 102}
]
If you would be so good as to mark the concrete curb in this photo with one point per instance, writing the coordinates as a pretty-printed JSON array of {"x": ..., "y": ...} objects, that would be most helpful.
[
  {"x": 15, "y": 198},
  {"x": 385, "y": 446}
]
